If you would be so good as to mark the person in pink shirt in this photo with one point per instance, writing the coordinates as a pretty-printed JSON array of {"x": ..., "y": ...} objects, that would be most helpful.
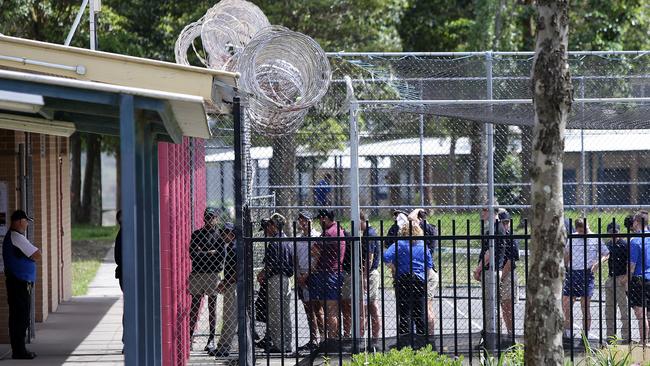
[{"x": 326, "y": 277}]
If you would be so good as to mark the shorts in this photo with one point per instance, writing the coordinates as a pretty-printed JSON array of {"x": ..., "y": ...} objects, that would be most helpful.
[
  {"x": 509, "y": 288},
  {"x": 204, "y": 283},
  {"x": 432, "y": 285},
  {"x": 325, "y": 286},
  {"x": 574, "y": 283},
  {"x": 636, "y": 293},
  {"x": 303, "y": 293},
  {"x": 372, "y": 292},
  {"x": 346, "y": 290}
]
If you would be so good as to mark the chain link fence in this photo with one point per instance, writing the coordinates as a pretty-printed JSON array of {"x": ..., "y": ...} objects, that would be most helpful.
[{"x": 423, "y": 144}]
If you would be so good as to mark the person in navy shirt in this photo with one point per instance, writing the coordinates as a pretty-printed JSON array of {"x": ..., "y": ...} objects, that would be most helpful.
[
  {"x": 19, "y": 257},
  {"x": 322, "y": 191},
  {"x": 411, "y": 263},
  {"x": 639, "y": 285}
]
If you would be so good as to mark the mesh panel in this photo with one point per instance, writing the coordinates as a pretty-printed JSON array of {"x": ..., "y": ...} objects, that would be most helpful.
[{"x": 430, "y": 155}]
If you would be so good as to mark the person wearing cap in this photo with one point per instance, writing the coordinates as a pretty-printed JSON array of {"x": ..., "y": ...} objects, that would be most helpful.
[
  {"x": 277, "y": 272},
  {"x": 639, "y": 266},
  {"x": 19, "y": 257},
  {"x": 400, "y": 218},
  {"x": 303, "y": 263},
  {"x": 509, "y": 281},
  {"x": 206, "y": 253},
  {"x": 228, "y": 289},
  {"x": 430, "y": 233},
  {"x": 579, "y": 278},
  {"x": 326, "y": 279},
  {"x": 615, "y": 285}
]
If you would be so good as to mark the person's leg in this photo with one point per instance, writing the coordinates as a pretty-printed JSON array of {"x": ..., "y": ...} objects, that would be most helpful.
[
  {"x": 19, "y": 302},
  {"x": 432, "y": 286},
  {"x": 287, "y": 324},
  {"x": 566, "y": 308},
  {"x": 586, "y": 314},
  {"x": 332, "y": 310},
  {"x": 319, "y": 315},
  {"x": 194, "y": 313},
  {"x": 312, "y": 322},
  {"x": 610, "y": 307},
  {"x": 418, "y": 305},
  {"x": 403, "y": 298},
  {"x": 274, "y": 296},
  {"x": 212, "y": 316},
  {"x": 375, "y": 323},
  {"x": 622, "y": 301},
  {"x": 346, "y": 304},
  {"x": 229, "y": 319},
  {"x": 638, "y": 312}
]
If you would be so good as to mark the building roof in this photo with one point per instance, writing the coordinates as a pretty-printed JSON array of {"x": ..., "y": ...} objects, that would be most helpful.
[
  {"x": 594, "y": 141},
  {"x": 189, "y": 93}
]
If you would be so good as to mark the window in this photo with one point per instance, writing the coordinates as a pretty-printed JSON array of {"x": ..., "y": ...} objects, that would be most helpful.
[
  {"x": 617, "y": 193},
  {"x": 569, "y": 189}
]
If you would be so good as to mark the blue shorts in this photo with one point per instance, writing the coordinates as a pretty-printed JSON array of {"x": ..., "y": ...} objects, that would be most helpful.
[
  {"x": 325, "y": 286},
  {"x": 574, "y": 283}
]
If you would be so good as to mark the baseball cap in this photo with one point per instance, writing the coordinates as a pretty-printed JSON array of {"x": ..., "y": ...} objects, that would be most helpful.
[
  {"x": 209, "y": 213},
  {"x": 504, "y": 215},
  {"x": 277, "y": 220},
  {"x": 19, "y": 215},
  {"x": 305, "y": 214},
  {"x": 325, "y": 213},
  {"x": 229, "y": 226},
  {"x": 398, "y": 211},
  {"x": 613, "y": 228}
]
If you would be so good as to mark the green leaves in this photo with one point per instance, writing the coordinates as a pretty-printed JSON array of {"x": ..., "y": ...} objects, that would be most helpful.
[{"x": 406, "y": 356}]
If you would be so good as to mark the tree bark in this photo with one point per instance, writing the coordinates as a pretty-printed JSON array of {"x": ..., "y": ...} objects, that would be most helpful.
[
  {"x": 479, "y": 162},
  {"x": 281, "y": 171},
  {"x": 552, "y": 103},
  {"x": 75, "y": 179},
  {"x": 90, "y": 187}
]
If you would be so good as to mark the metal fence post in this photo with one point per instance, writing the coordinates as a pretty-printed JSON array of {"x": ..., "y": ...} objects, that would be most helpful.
[
  {"x": 245, "y": 338},
  {"x": 490, "y": 280},
  {"x": 355, "y": 213}
]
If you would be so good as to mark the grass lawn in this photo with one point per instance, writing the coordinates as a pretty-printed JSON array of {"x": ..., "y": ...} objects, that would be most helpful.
[{"x": 89, "y": 247}]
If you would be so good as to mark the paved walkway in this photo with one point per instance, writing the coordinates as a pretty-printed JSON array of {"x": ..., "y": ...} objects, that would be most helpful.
[{"x": 86, "y": 329}]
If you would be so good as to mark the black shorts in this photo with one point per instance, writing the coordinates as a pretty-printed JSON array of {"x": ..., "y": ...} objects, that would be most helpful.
[{"x": 638, "y": 291}]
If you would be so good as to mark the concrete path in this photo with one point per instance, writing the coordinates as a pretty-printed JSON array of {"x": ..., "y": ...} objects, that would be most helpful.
[{"x": 85, "y": 330}]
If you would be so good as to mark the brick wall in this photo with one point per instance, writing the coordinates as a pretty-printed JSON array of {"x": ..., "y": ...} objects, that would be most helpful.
[{"x": 51, "y": 212}]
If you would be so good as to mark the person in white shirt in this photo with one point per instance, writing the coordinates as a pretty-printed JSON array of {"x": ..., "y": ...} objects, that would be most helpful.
[
  {"x": 579, "y": 277},
  {"x": 304, "y": 263}
]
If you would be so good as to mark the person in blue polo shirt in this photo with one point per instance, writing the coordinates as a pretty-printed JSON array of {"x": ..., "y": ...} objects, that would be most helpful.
[
  {"x": 19, "y": 257},
  {"x": 411, "y": 263},
  {"x": 639, "y": 284}
]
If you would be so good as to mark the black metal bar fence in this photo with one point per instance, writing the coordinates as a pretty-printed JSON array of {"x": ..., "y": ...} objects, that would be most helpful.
[{"x": 421, "y": 290}]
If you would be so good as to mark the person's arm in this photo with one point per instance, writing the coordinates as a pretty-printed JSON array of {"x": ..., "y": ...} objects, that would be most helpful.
[{"x": 26, "y": 248}]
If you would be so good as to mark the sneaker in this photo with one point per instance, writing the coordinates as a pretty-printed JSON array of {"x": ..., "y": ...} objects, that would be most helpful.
[
  {"x": 25, "y": 355},
  {"x": 287, "y": 350},
  {"x": 263, "y": 343},
  {"x": 220, "y": 352},
  {"x": 210, "y": 346},
  {"x": 309, "y": 346}
]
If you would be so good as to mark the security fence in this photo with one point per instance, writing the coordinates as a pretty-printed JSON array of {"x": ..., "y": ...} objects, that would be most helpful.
[
  {"x": 450, "y": 133},
  {"x": 419, "y": 289}
]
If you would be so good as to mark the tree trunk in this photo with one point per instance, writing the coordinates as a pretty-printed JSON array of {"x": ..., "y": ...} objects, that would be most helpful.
[
  {"x": 479, "y": 163},
  {"x": 90, "y": 187},
  {"x": 552, "y": 102},
  {"x": 452, "y": 169},
  {"x": 281, "y": 171},
  {"x": 75, "y": 178}
]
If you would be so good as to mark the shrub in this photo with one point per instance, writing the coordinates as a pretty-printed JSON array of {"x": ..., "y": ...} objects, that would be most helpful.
[{"x": 406, "y": 356}]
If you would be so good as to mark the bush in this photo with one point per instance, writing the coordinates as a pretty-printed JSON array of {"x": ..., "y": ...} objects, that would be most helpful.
[{"x": 406, "y": 356}]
